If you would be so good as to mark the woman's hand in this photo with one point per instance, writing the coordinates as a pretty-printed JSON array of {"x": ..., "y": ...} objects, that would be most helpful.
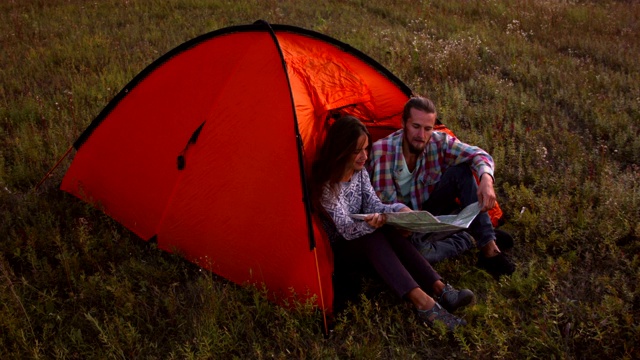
[{"x": 376, "y": 220}]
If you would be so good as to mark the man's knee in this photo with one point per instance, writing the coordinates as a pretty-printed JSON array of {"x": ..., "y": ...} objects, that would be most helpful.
[{"x": 460, "y": 171}]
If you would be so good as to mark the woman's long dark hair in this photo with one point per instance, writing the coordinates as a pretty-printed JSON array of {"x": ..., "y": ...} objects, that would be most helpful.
[{"x": 333, "y": 156}]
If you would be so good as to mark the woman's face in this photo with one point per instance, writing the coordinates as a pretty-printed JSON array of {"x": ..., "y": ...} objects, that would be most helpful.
[{"x": 359, "y": 156}]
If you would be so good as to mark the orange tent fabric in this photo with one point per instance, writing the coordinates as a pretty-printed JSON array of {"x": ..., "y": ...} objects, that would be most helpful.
[{"x": 206, "y": 150}]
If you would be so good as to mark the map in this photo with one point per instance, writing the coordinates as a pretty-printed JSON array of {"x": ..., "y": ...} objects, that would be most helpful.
[{"x": 424, "y": 222}]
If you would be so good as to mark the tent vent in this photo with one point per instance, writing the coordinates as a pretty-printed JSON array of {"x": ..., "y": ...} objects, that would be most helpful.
[
  {"x": 181, "y": 162},
  {"x": 192, "y": 140}
]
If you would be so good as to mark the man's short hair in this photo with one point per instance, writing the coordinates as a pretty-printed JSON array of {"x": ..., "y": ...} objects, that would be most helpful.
[{"x": 419, "y": 103}]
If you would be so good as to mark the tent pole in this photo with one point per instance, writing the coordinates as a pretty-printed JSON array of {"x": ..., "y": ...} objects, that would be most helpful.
[
  {"x": 324, "y": 310},
  {"x": 53, "y": 168},
  {"x": 305, "y": 191}
]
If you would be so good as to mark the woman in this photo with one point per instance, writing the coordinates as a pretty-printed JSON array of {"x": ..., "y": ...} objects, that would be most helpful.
[{"x": 340, "y": 187}]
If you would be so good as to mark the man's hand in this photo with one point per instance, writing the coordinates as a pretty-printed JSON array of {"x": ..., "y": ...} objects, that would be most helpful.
[
  {"x": 486, "y": 193},
  {"x": 376, "y": 220}
]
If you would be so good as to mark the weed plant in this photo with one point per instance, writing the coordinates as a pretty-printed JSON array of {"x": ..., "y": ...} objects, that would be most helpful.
[{"x": 550, "y": 88}]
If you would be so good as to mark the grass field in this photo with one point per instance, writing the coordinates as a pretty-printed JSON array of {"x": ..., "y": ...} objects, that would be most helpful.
[{"x": 550, "y": 88}]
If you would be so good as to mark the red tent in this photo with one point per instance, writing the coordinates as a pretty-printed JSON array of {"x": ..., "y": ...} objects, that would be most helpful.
[{"x": 205, "y": 151}]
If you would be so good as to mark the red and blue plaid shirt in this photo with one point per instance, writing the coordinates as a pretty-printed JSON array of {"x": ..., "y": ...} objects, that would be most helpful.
[{"x": 442, "y": 151}]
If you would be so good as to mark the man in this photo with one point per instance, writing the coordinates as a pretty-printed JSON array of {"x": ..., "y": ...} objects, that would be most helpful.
[{"x": 432, "y": 171}]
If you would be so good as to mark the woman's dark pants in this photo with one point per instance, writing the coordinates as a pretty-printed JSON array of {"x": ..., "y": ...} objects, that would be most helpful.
[{"x": 394, "y": 258}]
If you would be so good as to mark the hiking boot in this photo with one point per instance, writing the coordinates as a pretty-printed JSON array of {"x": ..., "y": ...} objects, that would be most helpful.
[
  {"x": 497, "y": 265},
  {"x": 452, "y": 299},
  {"x": 439, "y": 314},
  {"x": 504, "y": 240}
]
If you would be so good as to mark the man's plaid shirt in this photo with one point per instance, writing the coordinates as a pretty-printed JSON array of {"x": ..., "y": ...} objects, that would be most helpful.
[{"x": 441, "y": 152}]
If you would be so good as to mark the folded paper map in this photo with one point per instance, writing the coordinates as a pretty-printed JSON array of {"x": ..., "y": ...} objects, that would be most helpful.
[{"x": 424, "y": 222}]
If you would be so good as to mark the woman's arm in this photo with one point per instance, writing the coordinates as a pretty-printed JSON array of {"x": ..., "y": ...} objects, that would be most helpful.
[{"x": 337, "y": 208}]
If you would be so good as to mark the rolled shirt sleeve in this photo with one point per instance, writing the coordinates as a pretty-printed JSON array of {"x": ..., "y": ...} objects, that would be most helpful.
[{"x": 457, "y": 152}]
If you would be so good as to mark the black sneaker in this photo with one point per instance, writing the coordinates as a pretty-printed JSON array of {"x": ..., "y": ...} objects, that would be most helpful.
[
  {"x": 504, "y": 240},
  {"x": 496, "y": 265},
  {"x": 452, "y": 299},
  {"x": 439, "y": 314}
]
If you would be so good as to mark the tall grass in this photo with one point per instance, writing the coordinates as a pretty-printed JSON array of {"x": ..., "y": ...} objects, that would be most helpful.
[{"x": 550, "y": 88}]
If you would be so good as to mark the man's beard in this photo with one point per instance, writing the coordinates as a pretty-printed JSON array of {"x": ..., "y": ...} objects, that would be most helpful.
[{"x": 414, "y": 150}]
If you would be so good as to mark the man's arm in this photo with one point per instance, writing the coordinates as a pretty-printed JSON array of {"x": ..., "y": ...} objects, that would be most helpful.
[
  {"x": 481, "y": 162},
  {"x": 486, "y": 193},
  {"x": 457, "y": 152}
]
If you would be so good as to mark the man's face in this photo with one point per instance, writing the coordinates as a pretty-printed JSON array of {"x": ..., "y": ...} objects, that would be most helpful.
[{"x": 418, "y": 129}]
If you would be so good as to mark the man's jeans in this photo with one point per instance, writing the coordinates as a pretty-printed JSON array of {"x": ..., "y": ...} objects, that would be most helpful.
[
  {"x": 436, "y": 247},
  {"x": 458, "y": 182}
]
